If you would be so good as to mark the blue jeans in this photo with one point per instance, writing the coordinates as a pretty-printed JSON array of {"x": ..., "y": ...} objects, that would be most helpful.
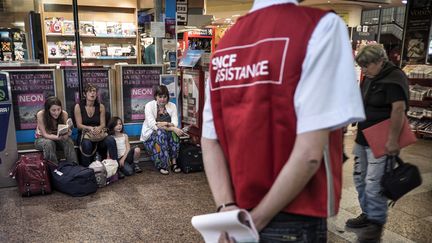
[
  {"x": 285, "y": 227},
  {"x": 368, "y": 172}
]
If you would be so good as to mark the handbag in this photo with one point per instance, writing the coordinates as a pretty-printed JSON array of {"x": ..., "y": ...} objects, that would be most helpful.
[
  {"x": 95, "y": 137},
  {"x": 398, "y": 181}
]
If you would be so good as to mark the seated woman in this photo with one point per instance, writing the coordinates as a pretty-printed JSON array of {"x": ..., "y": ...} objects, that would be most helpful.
[
  {"x": 160, "y": 133},
  {"x": 120, "y": 150},
  {"x": 90, "y": 117},
  {"x": 47, "y": 138}
]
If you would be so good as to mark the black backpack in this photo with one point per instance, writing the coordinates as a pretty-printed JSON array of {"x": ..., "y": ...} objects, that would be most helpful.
[{"x": 73, "y": 179}]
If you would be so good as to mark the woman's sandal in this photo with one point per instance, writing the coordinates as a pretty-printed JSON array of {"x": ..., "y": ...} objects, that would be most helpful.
[
  {"x": 175, "y": 168},
  {"x": 163, "y": 171}
]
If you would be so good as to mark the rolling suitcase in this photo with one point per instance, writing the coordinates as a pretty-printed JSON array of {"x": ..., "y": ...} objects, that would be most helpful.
[
  {"x": 31, "y": 173},
  {"x": 190, "y": 158}
]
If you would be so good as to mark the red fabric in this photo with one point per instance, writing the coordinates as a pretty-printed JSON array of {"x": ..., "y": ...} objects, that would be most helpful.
[{"x": 254, "y": 75}]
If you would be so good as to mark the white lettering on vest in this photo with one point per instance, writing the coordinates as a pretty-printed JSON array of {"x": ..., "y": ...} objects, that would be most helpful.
[{"x": 225, "y": 71}]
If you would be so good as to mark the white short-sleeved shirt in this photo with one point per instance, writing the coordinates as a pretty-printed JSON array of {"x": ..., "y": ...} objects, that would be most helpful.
[{"x": 327, "y": 96}]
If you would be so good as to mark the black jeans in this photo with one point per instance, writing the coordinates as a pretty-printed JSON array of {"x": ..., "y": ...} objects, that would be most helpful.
[
  {"x": 88, "y": 146},
  {"x": 285, "y": 227}
]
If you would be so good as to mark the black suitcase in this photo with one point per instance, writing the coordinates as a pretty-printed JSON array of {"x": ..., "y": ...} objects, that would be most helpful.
[{"x": 190, "y": 158}]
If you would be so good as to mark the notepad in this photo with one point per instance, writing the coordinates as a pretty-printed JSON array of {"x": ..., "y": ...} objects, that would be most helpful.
[
  {"x": 377, "y": 136},
  {"x": 237, "y": 223}
]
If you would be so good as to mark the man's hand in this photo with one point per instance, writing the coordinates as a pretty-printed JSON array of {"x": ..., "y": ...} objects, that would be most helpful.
[
  {"x": 392, "y": 147},
  {"x": 225, "y": 238}
]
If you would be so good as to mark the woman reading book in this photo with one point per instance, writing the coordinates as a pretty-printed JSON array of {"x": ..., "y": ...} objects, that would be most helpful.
[{"x": 48, "y": 138}]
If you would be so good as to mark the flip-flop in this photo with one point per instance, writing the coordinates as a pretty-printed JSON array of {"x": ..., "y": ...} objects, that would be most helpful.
[
  {"x": 175, "y": 168},
  {"x": 163, "y": 171}
]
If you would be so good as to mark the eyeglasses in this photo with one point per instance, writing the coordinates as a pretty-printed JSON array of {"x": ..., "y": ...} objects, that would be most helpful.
[{"x": 162, "y": 96}]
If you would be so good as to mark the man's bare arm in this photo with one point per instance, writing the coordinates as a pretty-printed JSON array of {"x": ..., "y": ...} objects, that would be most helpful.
[
  {"x": 217, "y": 171},
  {"x": 303, "y": 163}
]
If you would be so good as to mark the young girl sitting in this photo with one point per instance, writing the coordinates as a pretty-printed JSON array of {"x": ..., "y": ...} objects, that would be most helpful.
[{"x": 120, "y": 150}]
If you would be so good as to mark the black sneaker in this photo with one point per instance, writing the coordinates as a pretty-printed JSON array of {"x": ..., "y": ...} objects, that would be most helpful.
[
  {"x": 359, "y": 222},
  {"x": 120, "y": 175},
  {"x": 137, "y": 169},
  {"x": 371, "y": 233}
]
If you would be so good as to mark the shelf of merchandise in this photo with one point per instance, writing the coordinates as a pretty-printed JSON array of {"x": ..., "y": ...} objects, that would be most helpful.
[
  {"x": 91, "y": 11},
  {"x": 92, "y": 36},
  {"x": 99, "y": 58},
  {"x": 426, "y": 104}
]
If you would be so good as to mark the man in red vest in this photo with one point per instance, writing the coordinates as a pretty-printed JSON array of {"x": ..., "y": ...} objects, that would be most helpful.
[{"x": 282, "y": 85}]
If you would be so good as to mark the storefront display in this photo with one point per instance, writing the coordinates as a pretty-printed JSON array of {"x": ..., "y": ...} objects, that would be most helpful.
[
  {"x": 13, "y": 45},
  {"x": 106, "y": 36},
  {"x": 420, "y": 111}
]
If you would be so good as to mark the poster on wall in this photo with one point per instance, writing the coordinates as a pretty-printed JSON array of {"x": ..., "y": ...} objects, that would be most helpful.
[
  {"x": 137, "y": 84},
  {"x": 99, "y": 77},
  {"x": 30, "y": 89},
  {"x": 417, "y": 31},
  {"x": 190, "y": 95},
  {"x": 170, "y": 81}
]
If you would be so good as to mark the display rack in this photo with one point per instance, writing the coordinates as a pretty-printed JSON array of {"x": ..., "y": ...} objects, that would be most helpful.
[
  {"x": 420, "y": 110},
  {"x": 108, "y": 34}
]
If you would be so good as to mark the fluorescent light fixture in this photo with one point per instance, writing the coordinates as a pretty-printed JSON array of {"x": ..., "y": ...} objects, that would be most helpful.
[
  {"x": 18, "y": 24},
  {"x": 404, "y": 1}
]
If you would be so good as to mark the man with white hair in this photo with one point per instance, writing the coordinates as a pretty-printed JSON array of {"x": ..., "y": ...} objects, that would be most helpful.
[{"x": 282, "y": 85}]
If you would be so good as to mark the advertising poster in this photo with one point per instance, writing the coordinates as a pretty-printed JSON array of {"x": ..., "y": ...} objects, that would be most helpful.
[
  {"x": 30, "y": 88},
  {"x": 98, "y": 77},
  {"x": 417, "y": 32},
  {"x": 170, "y": 81},
  {"x": 139, "y": 98},
  {"x": 172, "y": 60},
  {"x": 137, "y": 84},
  {"x": 190, "y": 97}
]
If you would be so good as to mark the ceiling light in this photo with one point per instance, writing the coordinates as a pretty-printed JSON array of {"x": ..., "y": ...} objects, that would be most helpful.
[
  {"x": 379, "y": 6},
  {"x": 404, "y": 1}
]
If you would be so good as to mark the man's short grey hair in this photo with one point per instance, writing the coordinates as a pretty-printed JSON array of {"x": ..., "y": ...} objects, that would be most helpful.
[{"x": 372, "y": 53}]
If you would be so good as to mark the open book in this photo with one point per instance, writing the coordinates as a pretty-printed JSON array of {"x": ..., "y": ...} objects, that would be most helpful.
[
  {"x": 63, "y": 129},
  {"x": 237, "y": 223}
]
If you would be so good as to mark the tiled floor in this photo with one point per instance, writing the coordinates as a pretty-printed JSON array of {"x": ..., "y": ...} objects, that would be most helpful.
[{"x": 149, "y": 207}]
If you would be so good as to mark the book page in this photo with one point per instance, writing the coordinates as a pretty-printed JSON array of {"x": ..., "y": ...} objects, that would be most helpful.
[
  {"x": 63, "y": 129},
  {"x": 237, "y": 223}
]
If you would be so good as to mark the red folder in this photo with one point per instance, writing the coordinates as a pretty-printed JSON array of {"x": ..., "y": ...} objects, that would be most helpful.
[{"x": 377, "y": 136}]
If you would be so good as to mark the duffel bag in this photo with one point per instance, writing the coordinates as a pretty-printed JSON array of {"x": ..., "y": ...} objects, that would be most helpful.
[{"x": 73, "y": 179}]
